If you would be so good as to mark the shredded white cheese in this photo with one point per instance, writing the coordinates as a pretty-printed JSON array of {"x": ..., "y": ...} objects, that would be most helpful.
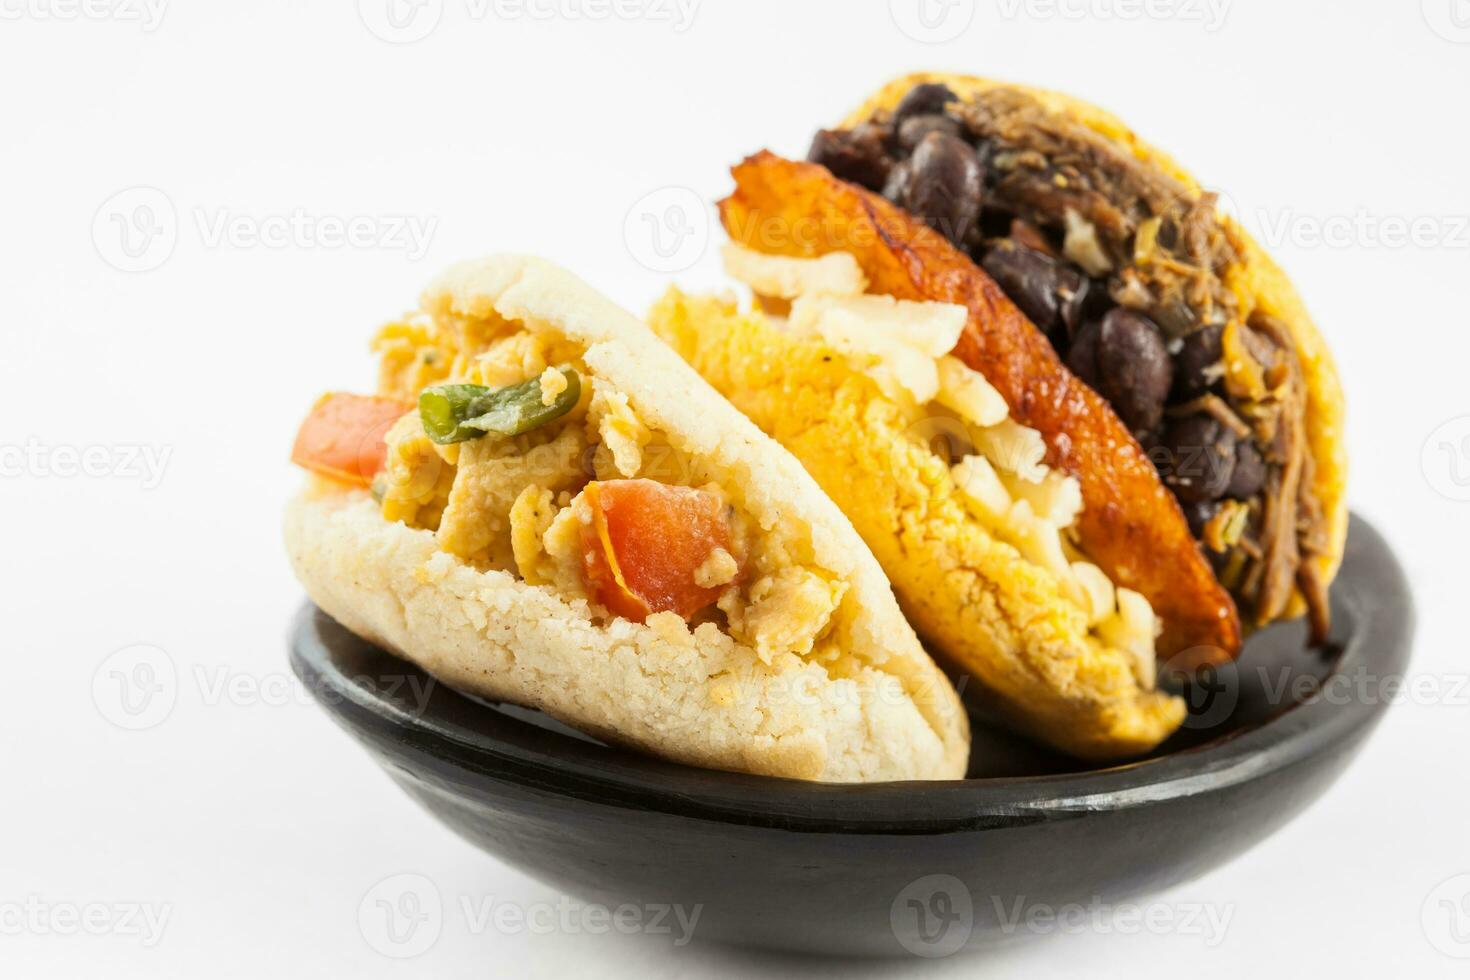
[
  {"x": 965, "y": 392},
  {"x": 1056, "y": 497},
  {"x": 783, "y": 277},
  {"x": 982, "y": 489},
  {"x": 896, "y": 342},
  {"x": 1133, "y": 628},
  {"x": 1097, "y": 588},
  {"x": 1015, "y": 449},
  {"x": 932, "y": 328}
]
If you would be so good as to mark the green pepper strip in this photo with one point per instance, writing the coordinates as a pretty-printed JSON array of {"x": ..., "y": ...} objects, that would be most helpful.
[{"x": 457, "y": 413}]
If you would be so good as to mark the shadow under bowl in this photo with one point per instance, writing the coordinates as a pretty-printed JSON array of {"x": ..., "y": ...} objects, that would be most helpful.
[{"x": 922, "y": 868}]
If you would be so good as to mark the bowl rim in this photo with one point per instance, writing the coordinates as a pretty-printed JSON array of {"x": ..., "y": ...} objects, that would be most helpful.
[{"x": 1371, "y": 581}]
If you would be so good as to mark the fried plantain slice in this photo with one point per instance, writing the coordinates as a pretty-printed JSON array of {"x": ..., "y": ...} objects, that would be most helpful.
[{"x": 1131, "y": 526}]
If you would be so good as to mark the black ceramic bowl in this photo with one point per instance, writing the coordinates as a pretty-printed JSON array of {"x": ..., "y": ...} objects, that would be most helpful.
[{"x": 893, "y": 868}]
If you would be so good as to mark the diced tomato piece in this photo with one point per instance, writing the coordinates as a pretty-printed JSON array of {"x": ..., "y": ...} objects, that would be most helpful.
[
  {"x": 646, "y": 540},
  {"x": 342, "y": 438}
]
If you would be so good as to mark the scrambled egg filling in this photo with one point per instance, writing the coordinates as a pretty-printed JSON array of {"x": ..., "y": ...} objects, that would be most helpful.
[
  {"x": 979, "y": 455},
  {"x": 517, "y": 504}
]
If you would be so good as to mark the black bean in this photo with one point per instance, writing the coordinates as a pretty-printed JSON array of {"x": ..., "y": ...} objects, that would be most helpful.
[
  {"x": 858, "y": 155},
  {"x": 923, "y": 100},
  {"x": 1097, "y": 300},
  {"x": 896, "y": 188},
  {"x": 1199, "y": 352},
  {"x": 1198, "y": 514},
  {"x": 1082, "y": 358},
  {"x": 1134, "y": 371},
  {"x": 915, "y": 128},
  {"x": 1174, "y": 317},
  {"x": 1250, "y": 473},
  {"x": 872, "y": 134},
  {"x": 1074, "y": 297},
  {"x": 1033, "y": 281},
  {"x": 1196, "y": 456},
  {"x": 945, "y": 185},
  {"x": 995, "y": 222}
]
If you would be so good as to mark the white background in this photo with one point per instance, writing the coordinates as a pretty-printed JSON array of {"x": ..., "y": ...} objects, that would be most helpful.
[{"x": 256, "y": 825}]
